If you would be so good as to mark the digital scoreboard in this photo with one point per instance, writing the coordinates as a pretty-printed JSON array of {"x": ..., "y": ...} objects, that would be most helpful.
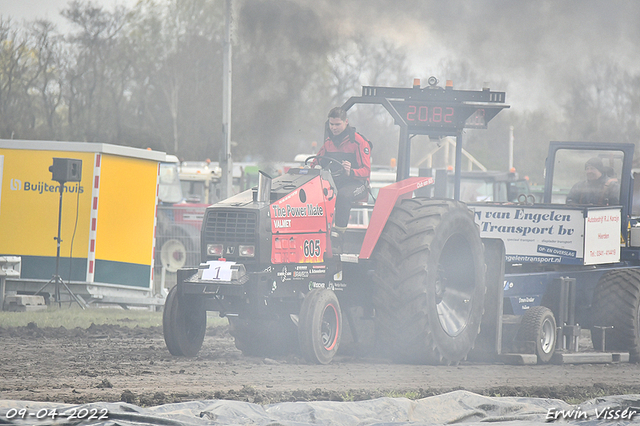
[
  {"x": 440, "y": 116},
  {"x": 436, "y": 110},
  {"x": 433, "y": 111}
]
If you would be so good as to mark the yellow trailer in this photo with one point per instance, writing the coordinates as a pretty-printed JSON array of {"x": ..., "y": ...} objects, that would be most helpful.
[{"x": 107, "y": 221}]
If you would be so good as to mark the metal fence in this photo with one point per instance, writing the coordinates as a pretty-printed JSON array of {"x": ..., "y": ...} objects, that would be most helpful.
[{"x": 177, "y": 241}]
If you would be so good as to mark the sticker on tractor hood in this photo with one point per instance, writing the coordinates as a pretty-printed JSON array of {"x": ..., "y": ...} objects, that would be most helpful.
[
  {"x": 300, "y": 272},
  {"x": 304, "y": 210},
  {"x": 297, "y": 211},
  {"x": 282, "y": 223},
  {"x": 285, "y": 274}
]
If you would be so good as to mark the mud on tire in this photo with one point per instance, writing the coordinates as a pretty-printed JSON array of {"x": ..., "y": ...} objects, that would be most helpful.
[
  {"x": 429, "y": 282},
  {"x": 616, "y": 302}
]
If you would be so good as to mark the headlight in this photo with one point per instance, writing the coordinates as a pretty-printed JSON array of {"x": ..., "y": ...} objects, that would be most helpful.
[
  {"x": 214, "y": 249},
  {"x": 247, "y": 251}
]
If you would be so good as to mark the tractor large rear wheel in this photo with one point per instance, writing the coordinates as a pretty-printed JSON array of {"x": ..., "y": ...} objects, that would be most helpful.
[
  {"x": 429, "y": 282},
  {"x": 616, "y": 302}
]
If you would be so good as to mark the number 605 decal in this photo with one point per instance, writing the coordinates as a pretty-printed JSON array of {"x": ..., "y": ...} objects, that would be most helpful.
[{"x": 311, "y": 248}]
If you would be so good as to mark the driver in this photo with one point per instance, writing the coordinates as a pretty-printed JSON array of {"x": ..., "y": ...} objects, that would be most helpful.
[
  {"x": 352, "y": 150},
  {"x": 598, "y": 189}
]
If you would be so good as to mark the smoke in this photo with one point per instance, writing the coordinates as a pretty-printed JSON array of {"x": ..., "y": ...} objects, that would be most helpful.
[
  {"x": 294, "y": 59},
  {"x": 535, "y": 47}
]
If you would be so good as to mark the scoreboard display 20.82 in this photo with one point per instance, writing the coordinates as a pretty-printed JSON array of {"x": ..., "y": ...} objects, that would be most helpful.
[
  {"x": 433, "y": 111},
  {"x": 436, "y": 110},
  {"x": 440, "y": 116}
]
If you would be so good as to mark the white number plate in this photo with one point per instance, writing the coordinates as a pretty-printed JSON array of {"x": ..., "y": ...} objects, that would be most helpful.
[{"x": 217, "y": 271}]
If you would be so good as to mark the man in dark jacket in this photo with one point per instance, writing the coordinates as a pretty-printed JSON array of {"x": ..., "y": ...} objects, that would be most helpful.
[
  {"x": 350, "y": 152},
  {"x": 599, "y": 189}
]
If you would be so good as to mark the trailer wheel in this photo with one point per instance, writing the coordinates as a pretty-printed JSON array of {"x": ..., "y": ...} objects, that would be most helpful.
[
  {"x": 616, "y": 302},
  {"x": 539, "y": 325},
  {"x": 184, "y": 322},
  {"x": 320, "y": 326},
  {"x": 429, "y": 282},
  {"x": 264, "y": 338}
]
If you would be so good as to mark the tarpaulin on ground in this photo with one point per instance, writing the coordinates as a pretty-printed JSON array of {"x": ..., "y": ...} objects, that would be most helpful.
[{"x": 459, "y": 407}]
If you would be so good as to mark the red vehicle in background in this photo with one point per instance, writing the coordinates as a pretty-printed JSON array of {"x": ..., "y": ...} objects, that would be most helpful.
[{"x": 180, "y": 212}]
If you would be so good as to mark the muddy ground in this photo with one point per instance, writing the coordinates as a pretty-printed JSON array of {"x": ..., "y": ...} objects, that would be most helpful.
[{"x": 116, "y": 363}]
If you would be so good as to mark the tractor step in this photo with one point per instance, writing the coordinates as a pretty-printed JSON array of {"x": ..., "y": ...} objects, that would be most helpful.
[
  {"x": 567, "y": 358},
  {"x": 589, "y": 357},
  {"x": 349, "y": 258}
]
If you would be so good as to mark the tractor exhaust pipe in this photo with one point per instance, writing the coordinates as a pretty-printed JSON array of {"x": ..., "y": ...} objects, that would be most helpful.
[{"x": 264, "y": 187}]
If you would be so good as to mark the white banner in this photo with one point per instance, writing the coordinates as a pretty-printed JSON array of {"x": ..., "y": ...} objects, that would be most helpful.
[
  {"x": 533, "y": 234},
  {"x": 602, "y": 237}
]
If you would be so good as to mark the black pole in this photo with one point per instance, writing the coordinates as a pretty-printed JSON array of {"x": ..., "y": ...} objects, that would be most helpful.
[
  {"x": 456, "y": 188},
  {"x": 63, "y": 170},
  {"x": 57, "y": 280},
  {"x": 59, "y": 242},
  {"x": 404, "y": 151}
]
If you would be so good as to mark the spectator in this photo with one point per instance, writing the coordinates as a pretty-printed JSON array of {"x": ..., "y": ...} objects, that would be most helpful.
[{"x": 598, "y": 189}]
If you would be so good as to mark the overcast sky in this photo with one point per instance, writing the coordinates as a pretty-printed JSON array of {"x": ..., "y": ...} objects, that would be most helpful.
[
  {"x": 537, "y": 46},
  {"x": 49, "y": 9}
]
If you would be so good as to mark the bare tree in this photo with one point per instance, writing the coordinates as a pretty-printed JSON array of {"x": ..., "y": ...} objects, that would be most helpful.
[
  {"x": 95, "y": 64},
  {"x": 365, "y": 61},
  {"x": 603, "y": 104},
  {"x": 16, "y": 71},
  {"x": 189, "y": 72},
  {"x": 48, "y": 83},
  {"x": 151, "y": 76}
]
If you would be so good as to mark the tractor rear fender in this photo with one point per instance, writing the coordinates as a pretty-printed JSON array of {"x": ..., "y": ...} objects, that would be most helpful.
[{"x": 387, "y": 199}]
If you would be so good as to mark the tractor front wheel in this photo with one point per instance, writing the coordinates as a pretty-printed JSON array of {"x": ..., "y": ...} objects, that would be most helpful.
[
  {"x": 184, "y": 322},
  {"x": 320, "y": 326}
]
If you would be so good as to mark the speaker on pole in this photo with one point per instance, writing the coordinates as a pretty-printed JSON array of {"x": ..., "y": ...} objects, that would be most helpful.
[
  {"x": 66, "y": 170},
  {"x": 63, "y": 170}
]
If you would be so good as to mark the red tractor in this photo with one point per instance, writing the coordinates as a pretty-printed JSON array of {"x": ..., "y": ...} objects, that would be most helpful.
[{"x": 417, "y": 271}]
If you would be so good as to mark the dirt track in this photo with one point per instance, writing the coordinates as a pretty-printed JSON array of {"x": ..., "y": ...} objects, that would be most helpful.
[{"x": 113, "y": 363}]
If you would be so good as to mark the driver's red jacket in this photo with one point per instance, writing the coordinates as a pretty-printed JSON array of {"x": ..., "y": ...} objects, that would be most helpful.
[{"x": 352, "y": 143}]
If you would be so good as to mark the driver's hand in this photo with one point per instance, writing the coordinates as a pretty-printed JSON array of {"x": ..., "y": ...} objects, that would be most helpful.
[{"x": 347, "y": 166}]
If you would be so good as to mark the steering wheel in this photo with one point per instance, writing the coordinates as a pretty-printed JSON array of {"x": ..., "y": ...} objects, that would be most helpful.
[
  {"x": 327, "y": 163},
  {"x": 528, "y": 199}
]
